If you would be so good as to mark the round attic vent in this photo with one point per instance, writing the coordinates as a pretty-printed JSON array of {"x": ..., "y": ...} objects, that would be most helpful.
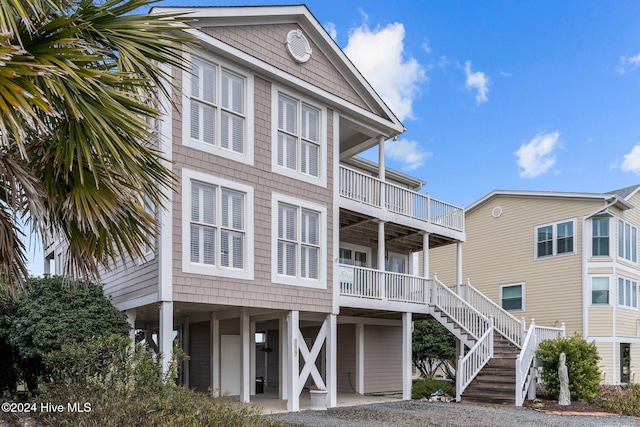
[
  {"x": 298, "y": 46},
  {"x": 496, "y": 212}
]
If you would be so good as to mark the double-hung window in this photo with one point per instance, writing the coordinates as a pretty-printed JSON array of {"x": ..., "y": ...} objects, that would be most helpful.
[
  {"x": 600, "y": 290},
  {"x": 512, "y": 296},
  {"x": 299, "y": 141},
  {"x": 217, "y": 228},
  {"x": 299, "y": 242},
  {"x": 600, "y": 237},
  {"x": 555, "y": 239},
  {"x": 627, "y": 241},
  {"x": 627, "y": 292},
  {"x": 215, "y": 111}
]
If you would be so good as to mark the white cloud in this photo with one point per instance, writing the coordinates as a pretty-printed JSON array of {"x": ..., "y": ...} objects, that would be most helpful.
[
  {"x": 536, "y": 157},
  {"x": 379, "y": 55},
  {"x": 330, "y": 27},
  {"x": 627, "y": 63},
  {"x": 479, "y": 81},
  {"x": 631, "y": 162},
  {"x": 426, "y": 46},
  {"x": 407, "y": 152}
]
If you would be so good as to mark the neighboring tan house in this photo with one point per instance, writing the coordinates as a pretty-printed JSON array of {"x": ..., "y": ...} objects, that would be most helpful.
[
  {"x": 282, "y": 256},
  {"x": 560, "y": 257}
]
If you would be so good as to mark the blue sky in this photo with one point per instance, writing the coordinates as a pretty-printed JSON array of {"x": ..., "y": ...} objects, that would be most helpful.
[{"x": 516, "y": 95}]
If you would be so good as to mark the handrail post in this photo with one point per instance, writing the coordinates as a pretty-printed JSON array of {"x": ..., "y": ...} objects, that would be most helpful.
[
  {"x": 564, "y": 330},
  {"x": 459, "y": 378}
]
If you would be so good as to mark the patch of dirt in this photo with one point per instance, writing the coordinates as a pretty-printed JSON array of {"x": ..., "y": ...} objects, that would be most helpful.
[
  {"x": 22, "y": 420},
  {"x": 546, "y": 405}
]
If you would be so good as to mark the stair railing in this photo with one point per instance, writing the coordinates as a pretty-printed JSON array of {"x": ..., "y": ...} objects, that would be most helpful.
[
  {"x": 525, "y": 375},
  {"x": 457, "y": 309},
  {"x": 504, "y": 322},
  {"x": 472, "y": 363}
]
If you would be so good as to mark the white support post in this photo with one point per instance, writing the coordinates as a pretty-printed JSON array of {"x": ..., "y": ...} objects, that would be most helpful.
[
  {"x": 293, "y": 401},
  {"x": 359, "y": 358},
  {"x": 531, "y": 392},
  {"x": 459, "y": 263},
  {"x": 283, "y": 357},
  {"x": 245, "y": 370},
  {"x": 252, "y": 357},
  {"x": 381, "y": 258},
  {"x": 425, "y": 254},
  {"x": 215, "y": 355},
  {"x": 165, "y": 336},
  {"x": 331, "y": 372},
  {"x": 406, "y": 356},
  {"x": 382, "y": 173},
  {"x": 186, "y": 344}
]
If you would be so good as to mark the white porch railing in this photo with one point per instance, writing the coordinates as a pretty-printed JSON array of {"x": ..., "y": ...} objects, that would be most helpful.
[
  {"x": 472, "y": 363},
  {"x": 503, "y": 321},
  {"x": 369, "y": 283},
  {"x": 524, "y": 375},
  {"x": 355, "y": 185}
]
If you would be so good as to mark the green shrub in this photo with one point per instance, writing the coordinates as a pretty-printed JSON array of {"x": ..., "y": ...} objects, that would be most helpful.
[
  {"x": 582, "y": 365},
  {"x": 623, "y": 401},
  {"x": 125, "y": 385},
  {"x": 424, "y": 388}
]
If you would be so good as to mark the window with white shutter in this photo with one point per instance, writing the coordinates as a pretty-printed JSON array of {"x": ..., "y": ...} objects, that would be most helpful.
[
  {"x": 217, "y": 219},
  {"x": 215, "y": 110},
  {"x": 299, "y": 236},
  {"x": 300, "y": 147}
]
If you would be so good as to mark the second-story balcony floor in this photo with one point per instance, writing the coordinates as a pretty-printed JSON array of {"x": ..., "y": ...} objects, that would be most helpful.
[
  {"x": 362, "y": 229},
  {"x": 360, "y": 192}
]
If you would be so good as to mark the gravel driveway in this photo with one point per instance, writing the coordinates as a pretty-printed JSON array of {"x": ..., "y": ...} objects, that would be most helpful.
[{"x": 424, "y": 413}]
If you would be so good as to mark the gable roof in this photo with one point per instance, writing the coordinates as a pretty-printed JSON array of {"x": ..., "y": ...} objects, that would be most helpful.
[
  {"x": 384, "y": 121},
  {"x": 618, "y": 199}
]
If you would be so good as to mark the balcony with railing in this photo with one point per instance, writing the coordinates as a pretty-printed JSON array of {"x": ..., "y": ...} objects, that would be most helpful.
[{"x": 375, "y": 193}]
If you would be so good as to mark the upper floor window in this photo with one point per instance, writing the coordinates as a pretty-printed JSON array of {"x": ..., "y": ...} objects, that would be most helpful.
[
  {"x": 300, "y": 145},
  {"x": 555, "y": 239},
  {"x": 600, "y": 236},
  {"x": 215, "y": 111},
  {"x": 217, "y": 227},
  {"x": 627, "y": 293},
  {"x": 299, "y": 242},
  {"x": 600, "y": 290},
  {"x": 627, "y": 241}
]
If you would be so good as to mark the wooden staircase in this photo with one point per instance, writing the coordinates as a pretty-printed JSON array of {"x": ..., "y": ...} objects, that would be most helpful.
[{"x": 496, "y": 382}]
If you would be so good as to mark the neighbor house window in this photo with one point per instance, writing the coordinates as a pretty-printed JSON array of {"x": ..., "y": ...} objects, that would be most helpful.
[
  {"x": 555, "y": 239},
  {"x": 512, "y": 296},
  {"x": 627, "y": 241},
  {"x": 600, "y": 236},
  {"x": 627, "y": 293},
  {"x": 215, "y": 109},
  {"x": 599, "y": 290},
  {"x": 217, "y": 229},
  {"x": 299, "y": 250},
  {"x": 299, "y": 142}
]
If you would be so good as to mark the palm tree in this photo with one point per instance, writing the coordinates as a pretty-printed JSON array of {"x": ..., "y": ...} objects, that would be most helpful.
[{"x": 80, "y": 84}]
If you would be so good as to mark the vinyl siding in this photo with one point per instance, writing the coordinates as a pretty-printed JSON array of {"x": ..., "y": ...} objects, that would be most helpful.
[
  {"x": 600, "y": 324},
  {"x": 605, "y": 350},
  {"x": 199, "y": 353},
  {"x": 346, "y": 366},
  {"x": 635, "y": 363},
  {"x": 383, "y": 358},
  {"x": 126, "y": 282}
]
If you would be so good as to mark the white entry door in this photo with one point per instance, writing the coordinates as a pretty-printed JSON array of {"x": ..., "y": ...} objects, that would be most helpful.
[{"x": 231, "y": 361}]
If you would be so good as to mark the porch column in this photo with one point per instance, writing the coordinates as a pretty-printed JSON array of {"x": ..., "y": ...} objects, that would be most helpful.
[
  {"x": 406, "y": 355},
  {"x": 459, "y": 263},
  {"x": 381, "y": 257},
  {"x": 283, "y": 357},
  {"x": 252, "y": 357},
  {"x": 331, "y": 373},
  {"x": 425, "y": 254},
  {"x": 186, "y": 344},
  {"x": 245, "y": 371},
  {"x": 382, "y": 172},
  {"x": 293, "y": 369},
  {"x": 359, "y": 385},
  {"x": 215, "y": 355},
  {"x": 165, "y": 335}
]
